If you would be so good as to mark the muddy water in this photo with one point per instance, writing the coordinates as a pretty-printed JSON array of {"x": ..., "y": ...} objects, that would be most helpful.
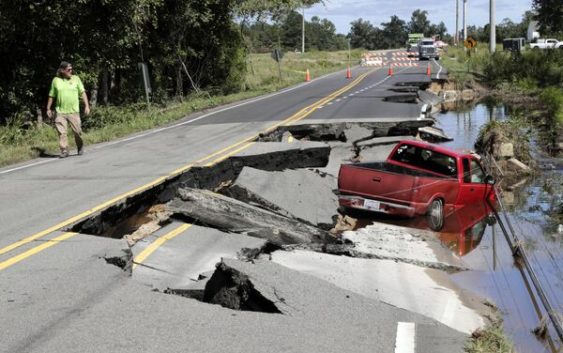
[
  {"x": 496, "y": 276},
  {"x": 476, "y": 237}
]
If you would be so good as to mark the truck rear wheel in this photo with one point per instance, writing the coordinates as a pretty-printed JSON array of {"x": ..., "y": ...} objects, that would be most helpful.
[{"x": 435, "y": 215}]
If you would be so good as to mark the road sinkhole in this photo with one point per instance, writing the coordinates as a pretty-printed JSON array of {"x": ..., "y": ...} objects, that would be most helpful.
[{"x": 231, "y": 289}]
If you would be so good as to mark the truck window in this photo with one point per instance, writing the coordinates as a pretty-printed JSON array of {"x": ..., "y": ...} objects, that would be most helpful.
[
  {"x": 466, "y": 171},
  {"x": 426, "y": 159},
  {"x": 472, "y": 172},
  {"x": 477, "y": 174}
]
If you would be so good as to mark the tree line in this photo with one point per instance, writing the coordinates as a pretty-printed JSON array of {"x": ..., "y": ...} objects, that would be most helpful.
[{"x": 188, "y": 45}]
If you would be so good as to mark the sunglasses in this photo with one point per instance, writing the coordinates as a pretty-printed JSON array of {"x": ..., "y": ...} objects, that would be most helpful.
[{"x": 69, "y": 69}]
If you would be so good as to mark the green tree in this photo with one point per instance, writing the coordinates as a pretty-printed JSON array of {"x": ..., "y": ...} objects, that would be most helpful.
[
  {"x": 362, "y": 34},
  {"x": 439, "y": 30},
  {"x": 394, "y": 33},
  {"x": 419, "y": 23},
  {"x": 549, "y": 14},
  {"x": 322, "y": 34},
  {"x": 291, "y": 30}
]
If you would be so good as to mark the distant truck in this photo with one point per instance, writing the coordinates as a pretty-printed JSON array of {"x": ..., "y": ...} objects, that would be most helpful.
[
  {"x": 427, "y": 50},
  {"x": 412, "y": 42},
  {"x": 546, "y": 44},
  {"x": 417, "y": 178}
]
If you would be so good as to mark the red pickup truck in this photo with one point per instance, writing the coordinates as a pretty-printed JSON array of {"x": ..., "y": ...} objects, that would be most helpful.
[{"x": 417, "y": 178}]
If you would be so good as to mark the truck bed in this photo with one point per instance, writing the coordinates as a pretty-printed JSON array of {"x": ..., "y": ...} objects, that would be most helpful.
[{"x": 395, "y": 169}]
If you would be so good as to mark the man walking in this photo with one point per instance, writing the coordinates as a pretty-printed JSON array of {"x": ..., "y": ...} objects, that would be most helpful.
[{"x": 67, "y": 90}]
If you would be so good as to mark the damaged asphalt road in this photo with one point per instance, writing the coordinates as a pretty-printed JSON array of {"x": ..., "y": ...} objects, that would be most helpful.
[{"x": 258, "y": 279}]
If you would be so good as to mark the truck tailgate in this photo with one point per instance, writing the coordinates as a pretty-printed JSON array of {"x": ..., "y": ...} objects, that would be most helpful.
[{"x": 376, "y": 181}]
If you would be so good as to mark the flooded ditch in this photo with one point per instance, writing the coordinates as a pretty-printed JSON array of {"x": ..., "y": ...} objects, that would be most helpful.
[{"x": 476, "y": 237}]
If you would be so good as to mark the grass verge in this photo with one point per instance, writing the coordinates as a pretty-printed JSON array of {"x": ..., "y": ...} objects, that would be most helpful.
[
  {"x": 489, "y": 340},
  {"x": 22, "y": 140}
]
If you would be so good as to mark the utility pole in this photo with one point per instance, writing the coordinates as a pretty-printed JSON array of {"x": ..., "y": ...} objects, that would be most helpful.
[
  {"x": 464, "y": 19},
  {"x": 303, "y": 32},
  {"x": 456, "y": 38},
  {"x": 492, "y": 27},
  {"x": 348, "y": 51}
]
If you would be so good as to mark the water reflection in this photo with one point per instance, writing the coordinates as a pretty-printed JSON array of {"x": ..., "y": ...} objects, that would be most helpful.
[
  {"x": 462, "y": 231},
  {"x": 495, "y": 274}
]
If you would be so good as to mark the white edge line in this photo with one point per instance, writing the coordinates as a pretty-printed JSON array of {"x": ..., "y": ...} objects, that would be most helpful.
[
  {"x": 154, "y": 131},
  {"x": 28, "y": 165},
  {"x": 439, "y": 71},
  {"x": 405, "y": 340}
]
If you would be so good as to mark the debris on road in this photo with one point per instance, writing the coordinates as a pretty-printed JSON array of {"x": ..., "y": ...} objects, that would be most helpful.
[
  {"x": 419, "y": 290},
  {"x": 233, "y": 289},
  {"x": 433, "y": 134},
  {"x": 421, "y": 248},
  {"x": 299, "y": 193},
  {"x": 228, "y": 214}
]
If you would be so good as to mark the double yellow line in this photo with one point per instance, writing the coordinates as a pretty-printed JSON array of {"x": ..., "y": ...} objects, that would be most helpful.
[{"x": 223, "y": 154}]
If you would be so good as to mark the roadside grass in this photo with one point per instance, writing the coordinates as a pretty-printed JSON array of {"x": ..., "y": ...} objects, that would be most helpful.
[
  {"x": 490, "y": 340},
  {"x": 463, "y": 67},
  {"x": 22, "y": 140}
]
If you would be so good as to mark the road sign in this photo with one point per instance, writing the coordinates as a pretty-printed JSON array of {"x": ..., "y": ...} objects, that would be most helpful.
[
  {"x": 277, "y": 54},
  {"x": 470, "y": 43}
]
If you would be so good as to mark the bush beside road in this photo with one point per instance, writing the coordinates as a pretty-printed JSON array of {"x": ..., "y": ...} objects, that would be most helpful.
[{"x": 24, "y": 140}]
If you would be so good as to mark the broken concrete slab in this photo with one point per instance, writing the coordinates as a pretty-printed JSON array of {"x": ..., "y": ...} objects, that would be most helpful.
[
  {"x": 233, "y": 289},
  {"x": 280, "y": 156},
  {"x": 301, "y": 194},
  {"x": 515, "y": 163},
  {"x": 320, "y": 316},
  {"x": 378, "y": 148},
  {"x": 374, "y": 154},
  {"x": 179, "y": 262},
  {"x": 311, "y": 132},
  {"x": 413, "y": 89},
  {"x": 433, "y": 134},
  {"x": 356, "y": 132},
  {"x": 229, "y": 214},
  {"x": 384, "y": 241},
  {"x": 381, "y": 126},
  {"x": 425, "y": 291},
  {"x": 429, "y": 97},
  {"x": 266, "y": 156},
  {"x": 381, "y": 141},
  {"x": 339, "y": 154}
]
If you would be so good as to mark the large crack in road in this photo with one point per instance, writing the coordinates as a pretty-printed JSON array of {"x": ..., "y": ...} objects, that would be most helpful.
[{"x": 281, "y": 190}]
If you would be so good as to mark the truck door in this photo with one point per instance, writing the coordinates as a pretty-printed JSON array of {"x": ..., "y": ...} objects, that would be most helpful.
[{"x": 473, "y": 187}]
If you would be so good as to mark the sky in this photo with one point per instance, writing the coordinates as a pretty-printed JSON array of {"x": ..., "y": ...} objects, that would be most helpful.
[{"x": 342, "y": 12}]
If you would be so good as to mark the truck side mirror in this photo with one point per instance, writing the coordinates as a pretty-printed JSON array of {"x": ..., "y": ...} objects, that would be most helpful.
[
  {"x": 491, "y": 220},
  {"x": 489, "y": 180}
]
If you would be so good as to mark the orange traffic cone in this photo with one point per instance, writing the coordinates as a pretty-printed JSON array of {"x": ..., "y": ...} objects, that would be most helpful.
[
  {"x": 348, "y": 72},
  {"x": 307, "y": 76},
  {"x": 390, "y": 71},
  {"x": 428, "y": 70}
]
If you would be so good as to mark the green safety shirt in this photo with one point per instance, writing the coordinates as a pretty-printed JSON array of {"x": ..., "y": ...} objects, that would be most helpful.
[{"x": 67, "y": 92}]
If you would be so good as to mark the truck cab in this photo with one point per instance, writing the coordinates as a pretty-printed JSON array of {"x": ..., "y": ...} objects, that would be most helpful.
[
  {"x": 427, "y": 50},
  {"x": 412, "y": 42},
  {"x": 549, "y": 43},
  {"x": 417, "y": 178}
]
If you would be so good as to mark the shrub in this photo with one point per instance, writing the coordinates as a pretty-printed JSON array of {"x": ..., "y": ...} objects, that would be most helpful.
[{"x": 552, "y": 98}]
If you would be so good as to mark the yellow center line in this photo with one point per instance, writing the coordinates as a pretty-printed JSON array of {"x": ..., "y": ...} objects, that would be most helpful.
[
  {"x": 301, "y": 114},
  {"x": 14, "y": 260},
  {"x": 222, "y": 158},
  {"x": 142, "y": 256}
]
